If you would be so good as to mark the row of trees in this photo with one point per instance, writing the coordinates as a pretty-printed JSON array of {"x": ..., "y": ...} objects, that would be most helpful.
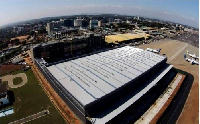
[{"x": 9, "y": 55}]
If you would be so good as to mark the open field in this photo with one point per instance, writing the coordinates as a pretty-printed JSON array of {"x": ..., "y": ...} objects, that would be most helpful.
[
  {"x": 175, "y": 50},
  {"x": 31, "y": 99}
]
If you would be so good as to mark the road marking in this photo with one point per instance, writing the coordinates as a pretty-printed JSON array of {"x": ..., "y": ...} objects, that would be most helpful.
[
  {"x": 31, "y": 117},
  {"x": 177, "y": 53}
]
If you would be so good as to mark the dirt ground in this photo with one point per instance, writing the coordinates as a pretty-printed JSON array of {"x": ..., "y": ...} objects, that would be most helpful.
[
  {"x": 190, "y": 113},
  {"x": 5, "y": 69},
  {"x": 9, "y": 79}
]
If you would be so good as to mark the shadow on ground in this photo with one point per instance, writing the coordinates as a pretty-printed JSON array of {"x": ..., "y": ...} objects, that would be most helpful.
[
  {"x": 11, "y": 98},
  {"x": 175, "y": 108}
]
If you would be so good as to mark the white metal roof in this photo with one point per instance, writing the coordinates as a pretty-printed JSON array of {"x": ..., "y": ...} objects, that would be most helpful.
[
  {"x": 91, "y": 77},
  {"x": 115, "y": 112}
]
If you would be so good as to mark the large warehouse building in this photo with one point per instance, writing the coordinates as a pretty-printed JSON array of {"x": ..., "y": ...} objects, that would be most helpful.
[{"x": 100, "y": 86}]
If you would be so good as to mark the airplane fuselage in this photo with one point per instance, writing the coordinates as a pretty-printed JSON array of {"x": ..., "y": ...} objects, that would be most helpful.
[
  {"x": 192, "y": 61},
  {"x": 153, "y": 50},
  {"x": 193, "y": 56}
]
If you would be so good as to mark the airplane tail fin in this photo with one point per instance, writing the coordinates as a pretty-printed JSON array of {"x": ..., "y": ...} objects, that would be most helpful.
[
  {"x": 184, "y": 56},
  {"x": 187, "y": 52}
]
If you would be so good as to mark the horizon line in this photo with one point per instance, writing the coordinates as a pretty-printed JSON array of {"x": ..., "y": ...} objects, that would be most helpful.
[{"x": 24, "y": 21}]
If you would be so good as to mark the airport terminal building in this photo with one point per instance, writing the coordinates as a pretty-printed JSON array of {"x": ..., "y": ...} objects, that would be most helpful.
[{"x": 100, "y": 86}]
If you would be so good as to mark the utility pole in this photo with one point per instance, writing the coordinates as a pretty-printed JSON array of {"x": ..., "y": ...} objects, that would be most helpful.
[{"x": 71, "y": 47}]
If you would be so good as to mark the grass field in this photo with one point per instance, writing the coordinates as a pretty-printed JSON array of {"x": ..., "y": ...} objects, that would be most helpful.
[
  {"x": 31, "y": 99},
  {"x": 17, "y": 80}
]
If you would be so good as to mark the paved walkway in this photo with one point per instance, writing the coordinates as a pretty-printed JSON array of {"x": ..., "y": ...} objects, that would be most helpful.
[
  {"x": 31, "y": 117},
  {"x": 10, "y": 78}
]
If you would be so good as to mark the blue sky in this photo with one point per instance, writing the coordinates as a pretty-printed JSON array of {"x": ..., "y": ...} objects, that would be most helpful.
[{"x": 182, "y": 11}]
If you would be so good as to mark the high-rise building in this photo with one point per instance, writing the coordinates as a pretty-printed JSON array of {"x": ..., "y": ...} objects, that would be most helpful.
[
  {"x": 69, "y": 23},
  {"x": 93, "y": 24},
  {"x": 85, "y": 23},
  {"x": 99, "y": 23},
  {"x": 128, "y": 22},
  {"x": 111, "y": 20},
  {"x": 118, "y": 20},
  {"x": 62, "y": 22},
  {"x": 78, "y": 22},
  {"x": 57, "y": 25},
  {"x": 49, "y": 27}
]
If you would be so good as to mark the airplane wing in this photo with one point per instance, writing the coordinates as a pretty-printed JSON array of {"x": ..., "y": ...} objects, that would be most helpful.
[
  {"x": 195, "y": 62},
  {"x": 189, "y": 60},
  {"x": 192, "y": 61}
]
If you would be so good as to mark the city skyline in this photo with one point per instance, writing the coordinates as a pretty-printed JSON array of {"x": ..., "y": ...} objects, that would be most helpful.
[{"x": 183, "y": 12}]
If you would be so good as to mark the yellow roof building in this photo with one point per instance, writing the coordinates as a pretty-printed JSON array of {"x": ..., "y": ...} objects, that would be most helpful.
[{"x": 124, "y": 37}]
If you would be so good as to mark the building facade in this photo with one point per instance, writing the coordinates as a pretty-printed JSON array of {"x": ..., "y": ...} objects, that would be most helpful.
[
  {"x": 93, "y": 24},
  {"x": 69, "y": 23},
  {"x": 78, "y": 22}
]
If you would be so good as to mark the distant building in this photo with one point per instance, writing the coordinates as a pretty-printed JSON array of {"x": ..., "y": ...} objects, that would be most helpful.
[
  {"x": 118, "y": 20},
  {"x": 93, "y": 24},
  {"x": 99, "y": 24},
  {"x": 128, "y": 22},
  {"x": 110, "y": 20},
  {"x": 78, "y": 22},
  {"x": 54, "y": 26},
  {"x": 85, "y": 23},
  {"x": 69, "y": 23},
  {"x": 62, "y": 22},
  {"x": 137, "y": 18},
  {"x": 57, "y": 25},
  {"x": 20, "y": 29},
  {"x": 49, "y": 27}
]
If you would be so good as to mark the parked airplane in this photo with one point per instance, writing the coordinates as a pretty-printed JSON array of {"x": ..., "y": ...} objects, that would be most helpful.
[
  {"x": 192, "y": 61},
  {"x": 153, "y": 50},
  {"x": 192, "y": 55}
]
